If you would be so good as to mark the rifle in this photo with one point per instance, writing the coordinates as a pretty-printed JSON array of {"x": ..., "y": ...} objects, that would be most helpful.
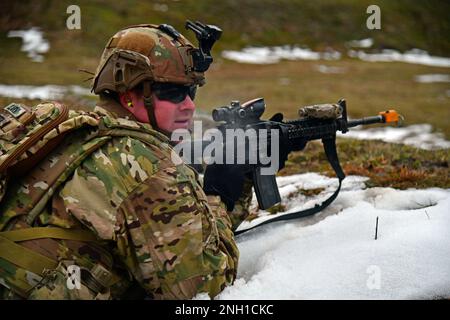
[{"x": 315, "y": 122}]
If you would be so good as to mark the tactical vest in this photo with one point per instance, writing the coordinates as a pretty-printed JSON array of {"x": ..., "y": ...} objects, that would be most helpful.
[{"x": 27, "y": 136}]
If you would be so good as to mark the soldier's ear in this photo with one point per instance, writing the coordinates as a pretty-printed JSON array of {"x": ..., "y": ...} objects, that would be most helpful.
[{"x": 126, "y": 99}]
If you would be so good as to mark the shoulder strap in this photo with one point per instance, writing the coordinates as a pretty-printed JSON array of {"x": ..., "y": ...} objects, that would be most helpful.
[
  {"x": 329, "y": 145},
  {"x": 28, "y": 259}
]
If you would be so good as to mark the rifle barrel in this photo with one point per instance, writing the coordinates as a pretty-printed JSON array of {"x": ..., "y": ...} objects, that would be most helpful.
[{"x": 366, "y": 120}]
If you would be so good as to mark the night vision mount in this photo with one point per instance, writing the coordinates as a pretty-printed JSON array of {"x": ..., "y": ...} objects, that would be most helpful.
[{"x": 207, "y": 35}]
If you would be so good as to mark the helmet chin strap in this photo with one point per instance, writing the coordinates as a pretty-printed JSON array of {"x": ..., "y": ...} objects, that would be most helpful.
[{"x": 148, "y": 103}]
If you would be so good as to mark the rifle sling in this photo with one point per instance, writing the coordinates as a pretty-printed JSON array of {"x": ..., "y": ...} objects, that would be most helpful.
[
  {"x": 37, "y": 263},
  {"x": 329, "y": 145}
]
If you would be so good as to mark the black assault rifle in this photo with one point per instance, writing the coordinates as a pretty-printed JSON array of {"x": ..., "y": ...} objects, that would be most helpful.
[{"x": 315, "y": 122}]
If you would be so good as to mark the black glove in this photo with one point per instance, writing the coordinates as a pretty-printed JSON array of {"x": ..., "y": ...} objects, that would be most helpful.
[{"x": 226, "y": 181}]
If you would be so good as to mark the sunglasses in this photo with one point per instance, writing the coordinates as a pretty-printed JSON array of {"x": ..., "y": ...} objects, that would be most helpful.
[{"x": 175, "y": 93}]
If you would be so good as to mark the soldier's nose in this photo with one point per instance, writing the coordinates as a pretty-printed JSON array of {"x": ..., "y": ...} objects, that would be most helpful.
[{"x": 187, "y": 104}]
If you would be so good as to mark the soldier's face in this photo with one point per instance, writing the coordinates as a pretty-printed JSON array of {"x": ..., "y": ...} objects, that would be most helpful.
[
  {"x": 168, "y": 115},
  {"x": 171, "y": 116}
]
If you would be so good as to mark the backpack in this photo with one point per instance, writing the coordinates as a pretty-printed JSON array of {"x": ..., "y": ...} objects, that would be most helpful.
[
  {"x": 24, "y": 139},
  {"x": 27, "y": 136}
]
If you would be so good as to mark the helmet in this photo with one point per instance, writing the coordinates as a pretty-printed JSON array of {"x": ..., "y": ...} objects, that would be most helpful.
[
  {"x": 147, "y": 54},
  {"x": 154, "y": 53}
]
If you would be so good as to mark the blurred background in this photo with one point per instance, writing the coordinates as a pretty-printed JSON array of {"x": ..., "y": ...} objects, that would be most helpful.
[{"x": 292, "y": 53}]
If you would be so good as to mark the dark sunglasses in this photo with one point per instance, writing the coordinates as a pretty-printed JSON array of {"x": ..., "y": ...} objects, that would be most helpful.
[{"x": 175, "y": 93}]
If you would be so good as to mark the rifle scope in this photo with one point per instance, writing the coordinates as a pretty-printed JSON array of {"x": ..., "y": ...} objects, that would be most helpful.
[{"x": 250, "y": 111}]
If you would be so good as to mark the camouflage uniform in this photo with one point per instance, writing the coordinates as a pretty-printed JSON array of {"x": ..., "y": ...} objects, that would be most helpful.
[{"x": 156, "y": 228}]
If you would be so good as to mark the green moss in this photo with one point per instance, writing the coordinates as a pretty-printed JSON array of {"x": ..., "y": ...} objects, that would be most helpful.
[
  {"x": 386, "y": 164},
  {"x": 277, "y": 208}
]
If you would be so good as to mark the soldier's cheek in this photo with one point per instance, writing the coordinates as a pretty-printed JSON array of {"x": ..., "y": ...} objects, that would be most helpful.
[{"x": 165, "y": 116}]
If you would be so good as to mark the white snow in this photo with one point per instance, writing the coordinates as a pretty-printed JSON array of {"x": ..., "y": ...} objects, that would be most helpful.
[
  {"x": 334, "y": 255},
  {"x": 364, "y": 43},
  {"x": 417, "y": 135},
  {"x": 33, "y": 42},
  {"x": 431, "y": 78},
  {"x": 46, "y": 92},
  {"x": 268, "y": 55},
  {"x": 329, "y": 69},
  {"x": 415, "y": 56}
]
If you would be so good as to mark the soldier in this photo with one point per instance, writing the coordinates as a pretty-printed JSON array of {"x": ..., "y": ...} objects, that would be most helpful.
[{"x": 131, "y": 221}]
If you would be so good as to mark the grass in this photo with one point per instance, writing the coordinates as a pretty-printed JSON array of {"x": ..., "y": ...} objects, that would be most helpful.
[
  {"x": 368, "y": 88},
  {"x": 386, "y": 165},
  {"x": 320, "y": 23}
]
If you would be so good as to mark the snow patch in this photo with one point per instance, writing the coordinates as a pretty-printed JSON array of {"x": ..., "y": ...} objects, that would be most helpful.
[
  {"x": 418, "y": 135},
  {"x": 415, "y": 56},
  {"x": 329, "y": 69},
  {"x": 47, "y": 92},
  {"x": 268, "y": 55},
  {"x": 364, "y": 43},
  {"x": 335, "y": 255},
  {"x": 431, "y": 78},
  {"x": 33, "y": 42}
]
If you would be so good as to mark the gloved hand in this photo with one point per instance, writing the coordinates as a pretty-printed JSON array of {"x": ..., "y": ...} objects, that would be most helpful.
[{"x": 226, "y": 181}]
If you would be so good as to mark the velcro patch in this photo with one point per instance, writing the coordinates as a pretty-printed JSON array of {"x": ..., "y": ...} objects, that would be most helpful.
[
  {"x": 15, "y": 109},
  {"x": 4, "y": 120}
]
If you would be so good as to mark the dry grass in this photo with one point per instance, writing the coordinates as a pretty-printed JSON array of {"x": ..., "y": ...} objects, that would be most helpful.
[{"x": 387, "y": 165}]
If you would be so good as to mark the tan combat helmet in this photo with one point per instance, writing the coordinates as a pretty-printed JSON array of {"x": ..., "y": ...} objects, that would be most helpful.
[{"x": 146, "y": 54}]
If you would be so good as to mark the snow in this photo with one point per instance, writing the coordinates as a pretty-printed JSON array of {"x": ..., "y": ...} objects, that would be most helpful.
[
  {"x": 268, "y": 55},
  {"x": 364, "y": 43},
  {"x": 329, "y": 69},
  {"x": 417, "y": 135},
  {"x": 415, "y": 56},
  {"x": 33, "y": 42},
  {"x": 334, "y": 255},
  {"x": 47, "y": 92},
  {"x": 431, "y": 78}
]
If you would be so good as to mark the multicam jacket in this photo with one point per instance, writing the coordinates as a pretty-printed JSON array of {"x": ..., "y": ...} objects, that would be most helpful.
[{"x": 155, "y": 234}]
